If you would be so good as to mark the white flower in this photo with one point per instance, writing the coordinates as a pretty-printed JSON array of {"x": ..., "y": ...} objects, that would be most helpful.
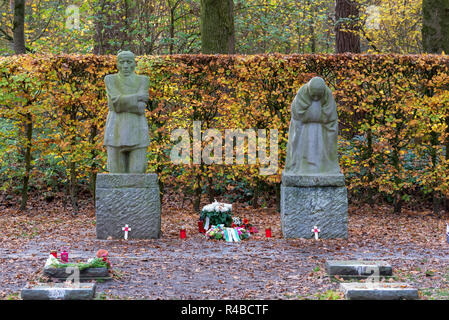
[
  {"x": 51, "y": 261},
  {"x": 217, "y": 206},
  {"x": 208, "y": 208}
]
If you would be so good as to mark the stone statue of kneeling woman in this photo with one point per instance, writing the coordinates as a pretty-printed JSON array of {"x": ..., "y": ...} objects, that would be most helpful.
[{"x": 313, "y": 133}]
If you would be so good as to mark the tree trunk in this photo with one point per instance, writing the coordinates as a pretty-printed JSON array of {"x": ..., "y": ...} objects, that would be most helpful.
[
  {"x": 73, "y": 188},
  {"x": 210, "y": 189},
  {"x": 435, "y": 29},
  {"x": 256, "y": 195},
  {"x": 19, "y": 27},
  {"x": 346, "y": 11},
  {"x": 447, "y": 156},
  {"x": 19, "y": 48},
  {"x": 397, "y": 204},
  {"x": 172, "y": 30},
  {"x": 197, "y": 196},
  {"x": 217, "y": 26},
  {"x": 312, "y": 38},
  {"x": 435, "y": 39},
  {"x": 93, "y": 155},
  {"x": 434, "y": 157},
  {"x": 278, "y": 196},
  {"x": 28, "y": 131}
]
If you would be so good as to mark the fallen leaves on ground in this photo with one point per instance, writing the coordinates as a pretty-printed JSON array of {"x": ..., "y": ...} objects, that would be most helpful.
[{"x": 195, "y": 268}]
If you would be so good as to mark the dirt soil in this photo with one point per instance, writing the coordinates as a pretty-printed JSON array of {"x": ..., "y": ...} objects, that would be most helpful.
[{"x": 413, "y": 243}]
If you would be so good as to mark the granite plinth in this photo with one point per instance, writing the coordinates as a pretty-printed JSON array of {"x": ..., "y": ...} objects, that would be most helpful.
[
  {"x": 128, "y": 199},
  {"x": 308, "y": 201}
]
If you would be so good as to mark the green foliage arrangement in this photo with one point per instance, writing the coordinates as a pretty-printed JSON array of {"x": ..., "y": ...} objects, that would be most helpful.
[
  {"x": 217, "y": 217},
  {"x": 96, "y": 263}
]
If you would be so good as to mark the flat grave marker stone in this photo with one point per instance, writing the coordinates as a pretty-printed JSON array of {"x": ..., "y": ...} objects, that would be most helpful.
[
  {"x": 358, "y": 268},
  {"x": 378, "y": 291},
  {"x": 59, "y": 291},
  {"x": 86, "y": 274}
]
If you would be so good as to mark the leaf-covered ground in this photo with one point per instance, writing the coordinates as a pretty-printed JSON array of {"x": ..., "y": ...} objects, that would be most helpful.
[{"x": 195, "y": 268}]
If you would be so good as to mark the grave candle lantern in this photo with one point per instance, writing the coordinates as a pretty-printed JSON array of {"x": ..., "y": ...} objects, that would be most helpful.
[
  {"x": 182, "y": 233},
  {"x": 201, "y": 227},
  {"x": 64, "y": 256},
  {"x": 54, "y": 253},
  {"x": 268, "y": 232}
]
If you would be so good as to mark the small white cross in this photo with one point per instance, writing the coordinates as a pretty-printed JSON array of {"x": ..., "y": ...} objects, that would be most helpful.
[
  {"x": 126, "y": 229},
  {"x": 316, "y": 231}
]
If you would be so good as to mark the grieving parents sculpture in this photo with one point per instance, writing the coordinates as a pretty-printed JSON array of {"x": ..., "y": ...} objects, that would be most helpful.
[
  {"x": 126, "y": 135},
  {"x": 313, "y": 192},
  {"x": 127, "y": 195},
  {"x": 313, "y": 133}
]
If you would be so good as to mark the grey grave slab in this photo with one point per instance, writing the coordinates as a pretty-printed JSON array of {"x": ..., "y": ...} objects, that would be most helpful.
[
  {"x": 86, "y": 274},
  {"x": 379, "y": 291},
  {"x": 59, "y": 291},
  {"x": 358, "y": 268}
]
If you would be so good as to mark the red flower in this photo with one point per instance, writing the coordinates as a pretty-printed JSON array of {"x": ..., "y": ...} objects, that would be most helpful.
[
  {"x": 102, "y": 253},
  {"x": 245, "y": 221}
]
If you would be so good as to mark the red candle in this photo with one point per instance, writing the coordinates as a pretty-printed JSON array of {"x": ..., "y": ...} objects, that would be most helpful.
[
  {"x": 201, "y": 227},
  {"x": 54, "y": 253},
  {"x": 64, "y": 256},
  {"x": 183, "y": 233},
  {"x": 268, "y": 232}
]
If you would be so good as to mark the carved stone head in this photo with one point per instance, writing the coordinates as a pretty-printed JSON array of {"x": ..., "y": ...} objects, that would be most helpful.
[
  {"x": 317, "y": 88},
  {"x": 126, "y": 63}
]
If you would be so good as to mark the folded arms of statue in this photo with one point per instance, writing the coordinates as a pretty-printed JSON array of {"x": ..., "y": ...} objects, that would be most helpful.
[{"x": 133, "y": 103}]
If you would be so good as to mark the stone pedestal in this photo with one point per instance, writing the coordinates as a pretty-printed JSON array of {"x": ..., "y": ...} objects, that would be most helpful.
[
  {"x": 314, "y": 200},
  {"x": 131, "y": 199}
]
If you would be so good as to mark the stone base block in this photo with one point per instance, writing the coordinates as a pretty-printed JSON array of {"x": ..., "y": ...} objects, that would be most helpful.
[
  {"x": 379, "y": 291},
  {"x": 131, "y": 199},
  {"x": 313, "y": 180},
  {"x": 324, "y": 206},
  {"x": 59, "y": 291}
]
